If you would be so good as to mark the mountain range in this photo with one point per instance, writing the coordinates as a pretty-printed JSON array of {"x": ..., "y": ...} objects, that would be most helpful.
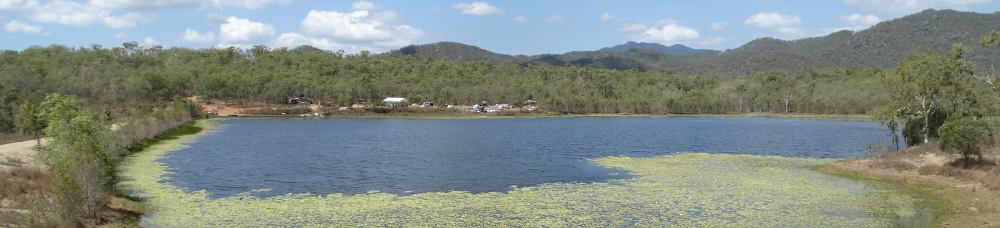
[{"x": 881, "y": 45}]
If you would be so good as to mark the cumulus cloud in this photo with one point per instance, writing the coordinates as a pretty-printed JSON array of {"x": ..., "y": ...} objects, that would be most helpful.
[
  {"x": 860, "y": 20},
  {"x": 608, "y": 17},
  {"x": 193, "y": 36},
  {"x": 521, "y": 19},
  {"x": 787, "y": 26},
  {"x": 172, "y": 4},
  {"x": 241, "y": 32},
  {"x": 773, "y": 20},
  {"x": 127, "y": 20},
  {"x": 633, "y": 27},
  {"x": 554, "y": 18},
  {"x": 720, "y": 25},
  {"x": 669, "y": 34},
  {"x": 364, "y": 5},
  {"x": 352, "y": 32},
  {"x": 908, "y": 6},
  {"x": 476, "y": 8},
  {"x": 150, "y": 42},
  {"x": 114, "y": 13},
  {"x": 17, "y": 4},
  {"x": 21, "y": 27}
]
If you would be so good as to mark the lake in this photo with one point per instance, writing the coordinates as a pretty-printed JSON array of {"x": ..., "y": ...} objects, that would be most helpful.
[
  {"x": 405, "y": 156},
  {"x": 544, "y": 172}
]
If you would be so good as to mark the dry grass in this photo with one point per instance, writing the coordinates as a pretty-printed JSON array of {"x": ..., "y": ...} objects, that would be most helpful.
[
  {"x": 974, "y": 190},
  {"x": 26, "y": 197}
]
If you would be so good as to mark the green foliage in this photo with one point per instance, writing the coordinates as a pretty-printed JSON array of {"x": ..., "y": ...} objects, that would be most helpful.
[
  {"x": 134, "y": 80},
  {"x": 966, "y": 137},
  {"x": 76, "y": 152},
  {"x": 926, "y": 88},
  {"x": 991, "y": 39},
  {"x": 29, "y": 121}
]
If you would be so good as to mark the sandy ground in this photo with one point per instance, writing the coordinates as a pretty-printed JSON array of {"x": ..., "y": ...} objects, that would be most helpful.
[
  {"x": 17, "y": 155},
  {"x": 975, "y": 200}
]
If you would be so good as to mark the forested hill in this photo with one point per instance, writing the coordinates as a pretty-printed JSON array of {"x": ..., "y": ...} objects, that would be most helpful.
[
  {"x": 453, "y": 51},
  {"x": 881, "y": 45},
  {"x": 676, "y": 49}
]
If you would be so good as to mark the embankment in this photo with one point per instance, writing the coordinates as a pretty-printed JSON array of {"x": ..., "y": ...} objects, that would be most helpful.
[{"x": 973, "y": 193}]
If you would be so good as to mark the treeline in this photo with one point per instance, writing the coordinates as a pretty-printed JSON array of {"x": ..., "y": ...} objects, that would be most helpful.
[
  {"x": 135, "y": 77},
  {"x": 84, "y": 147}
]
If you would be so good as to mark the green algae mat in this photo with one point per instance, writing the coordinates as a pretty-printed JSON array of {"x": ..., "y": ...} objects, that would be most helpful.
[{"x": 683, "y": 190}]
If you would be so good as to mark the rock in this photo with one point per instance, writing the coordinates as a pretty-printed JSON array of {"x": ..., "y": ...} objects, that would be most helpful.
[{"x": 973, "y": 209}]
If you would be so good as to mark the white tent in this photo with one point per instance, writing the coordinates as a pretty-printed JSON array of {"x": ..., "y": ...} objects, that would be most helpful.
[{"x": 394, "y": 101}]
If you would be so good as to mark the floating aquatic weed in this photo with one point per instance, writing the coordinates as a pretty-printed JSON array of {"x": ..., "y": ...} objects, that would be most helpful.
[{"x": 685, "y": 190}]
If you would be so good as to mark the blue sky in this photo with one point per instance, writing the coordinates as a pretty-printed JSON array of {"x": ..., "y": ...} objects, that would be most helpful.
[{"x": 509, "y": 27}]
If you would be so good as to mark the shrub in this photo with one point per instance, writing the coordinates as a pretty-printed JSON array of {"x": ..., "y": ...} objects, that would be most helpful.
[{"x": 965, "y": 136}]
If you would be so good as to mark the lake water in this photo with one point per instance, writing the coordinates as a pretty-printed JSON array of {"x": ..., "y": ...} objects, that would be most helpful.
[{"x": 407, "y": 156}]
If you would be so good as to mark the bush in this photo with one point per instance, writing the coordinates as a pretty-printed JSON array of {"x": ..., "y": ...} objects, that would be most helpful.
[{"x": 965, "y": 136}]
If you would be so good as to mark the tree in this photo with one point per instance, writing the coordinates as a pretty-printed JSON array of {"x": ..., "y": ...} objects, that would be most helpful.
[
  {"x": 967, "y": 137},
  {"x": 29, "y": 122},
  {"x": 991, "y": 39},
  {"x": 922, "y": 88}
]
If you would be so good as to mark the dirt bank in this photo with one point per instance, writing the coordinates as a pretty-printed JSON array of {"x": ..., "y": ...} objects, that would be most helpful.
[
  {"x": 27, "y": 194},
  {"x": 974, "y": 192}
]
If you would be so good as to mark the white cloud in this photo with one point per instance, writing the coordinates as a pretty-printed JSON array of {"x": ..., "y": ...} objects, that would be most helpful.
[
  {"x": 385, "y": 15},
  {"x": 773, "y": 20},
  {"x": 608, "y": 16},
  {"x": 364, "y": 5},
  {"x": 554, "y": 18},
  {"x": 193, "y": 36},
  {"x": 854, "y": 22},
  {"x": 633, "y": 27},
  {"x": 21, "y": 27},
  {"x": 858, "y": 21},
  {"x": 121, "y": 36},
  {"x": 352, "y": 32},
  {"x": 76, "y": 14},
  {"x": 720, "y": 25},
  {"x": 127, "y": 20},
  {"x": 168, "y": 4},
  {"x": 17, "y": 4},
  {"x": 114, "y": 13},
  {"x": 787, "y": 26},
  {"x": 477, "y": 8},
  {"x": 669, "y": 34},
  {"x": 66, "y": 13},
  {"x": 241, "y": 32},
  {"x": 356, "y": 25},
  {"x": 150, "y": 41},
  {"x": 521, "y": 19},
  {"x": 908, "y": 6}
]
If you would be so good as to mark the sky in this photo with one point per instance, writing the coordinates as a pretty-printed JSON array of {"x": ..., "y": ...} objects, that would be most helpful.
[{"x": 511, "y": 27}]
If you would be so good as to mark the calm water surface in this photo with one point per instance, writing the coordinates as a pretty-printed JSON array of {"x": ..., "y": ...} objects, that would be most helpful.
[{"x": 403, "y": 156}]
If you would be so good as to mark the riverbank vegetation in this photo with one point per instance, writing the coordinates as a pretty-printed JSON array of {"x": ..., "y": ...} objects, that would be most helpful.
[{"x": 83, "y": 149}]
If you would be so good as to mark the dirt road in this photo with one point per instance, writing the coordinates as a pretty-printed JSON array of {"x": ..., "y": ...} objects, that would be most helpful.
[{"x": 17, "y": 154}]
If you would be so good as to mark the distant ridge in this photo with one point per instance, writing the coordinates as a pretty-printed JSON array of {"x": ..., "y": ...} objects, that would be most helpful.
[
  {"x": 881, "y": 45},
  {"x": 676, "y": 49}
]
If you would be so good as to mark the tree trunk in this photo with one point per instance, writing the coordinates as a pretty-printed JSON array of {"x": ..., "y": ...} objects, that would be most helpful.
[{"x": 927, "y": 127}]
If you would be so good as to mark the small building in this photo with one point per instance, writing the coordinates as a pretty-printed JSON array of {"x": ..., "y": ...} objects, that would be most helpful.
[{"x": 395, "y": 101}]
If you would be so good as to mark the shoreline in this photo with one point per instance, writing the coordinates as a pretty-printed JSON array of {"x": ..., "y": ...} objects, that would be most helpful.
[
  {"x": 966, "y": 203},
  {"x": 448, "y": 115}
]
